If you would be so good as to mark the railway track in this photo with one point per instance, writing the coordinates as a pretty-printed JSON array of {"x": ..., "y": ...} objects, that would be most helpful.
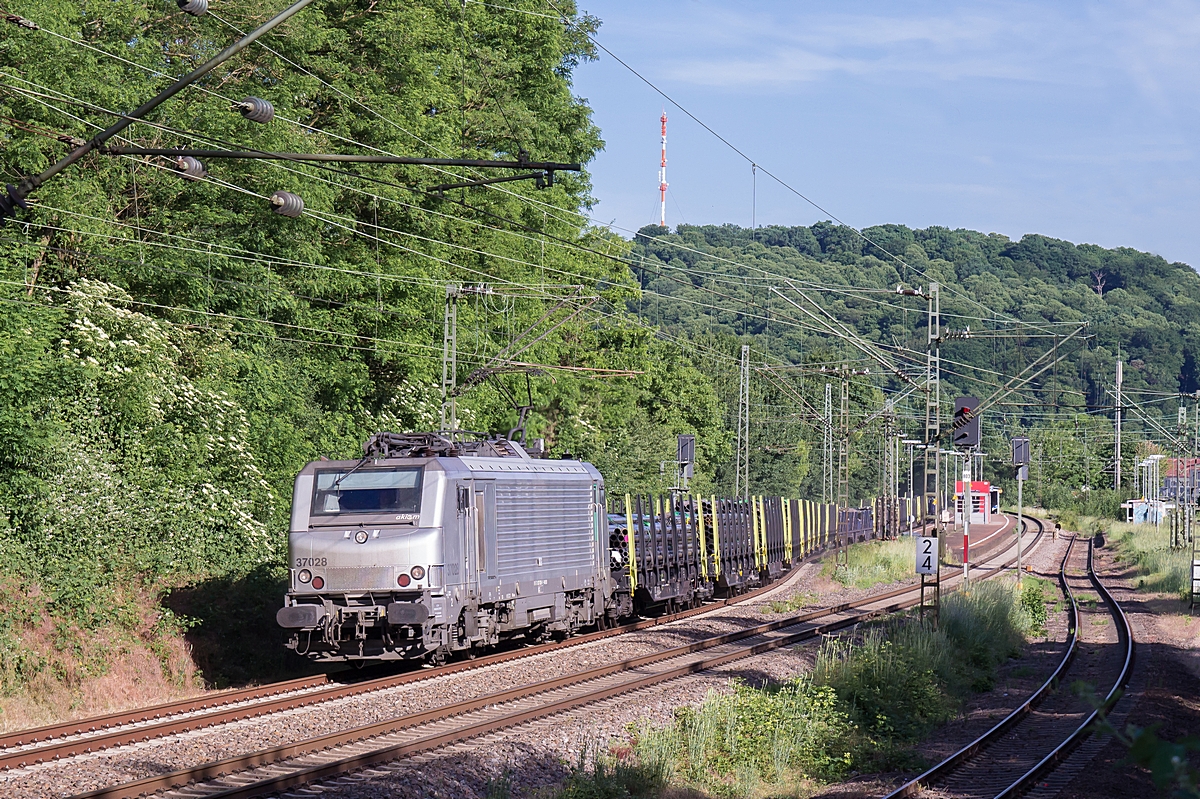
[
  {"x": 283, "y": 767},
  {"x": 55, "y": 742},
  {"x": 1018, "y": 754}
]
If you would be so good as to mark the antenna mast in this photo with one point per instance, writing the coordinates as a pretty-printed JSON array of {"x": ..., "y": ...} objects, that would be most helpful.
[{"x": 662, "y": 175}]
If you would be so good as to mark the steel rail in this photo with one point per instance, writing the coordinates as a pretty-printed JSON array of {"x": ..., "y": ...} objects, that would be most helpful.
[
  {"x": 275, "y": 754},
  {"x": 945, "y": 767},
  {"x": 162, "y": 720},
  {"x": 1063, "y": 749},
  {"x": 154, "y": 712},
  {"x": 432, "y": 741}
]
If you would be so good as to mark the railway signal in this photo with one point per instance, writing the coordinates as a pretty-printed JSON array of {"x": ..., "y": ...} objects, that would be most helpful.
[
  {"x": 965, "y": 433},
  {"x": 1020, "y": 459},
  {"x": 966, "y": 422}
]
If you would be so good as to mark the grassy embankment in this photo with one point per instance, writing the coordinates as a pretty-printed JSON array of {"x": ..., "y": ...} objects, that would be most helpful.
[
  {"x": 870, "y": 564},
  {"x": 1147, "y": 548},
  {"x": 870, "y": 697},
  {"x": 1160, "y": 568}
]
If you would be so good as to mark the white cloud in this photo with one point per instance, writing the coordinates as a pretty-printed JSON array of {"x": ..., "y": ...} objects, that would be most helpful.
[{"x": 745, "y": 47}]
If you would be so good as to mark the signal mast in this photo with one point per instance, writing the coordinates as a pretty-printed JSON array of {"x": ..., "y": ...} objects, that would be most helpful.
[{"x": 662, "y": 175}]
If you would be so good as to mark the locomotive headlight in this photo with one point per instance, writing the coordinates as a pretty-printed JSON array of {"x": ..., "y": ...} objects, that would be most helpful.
[
  {"x": 304, "y": 576},
  {"x": 417, "y": 572},
  {"x": 361, "y": 536}
]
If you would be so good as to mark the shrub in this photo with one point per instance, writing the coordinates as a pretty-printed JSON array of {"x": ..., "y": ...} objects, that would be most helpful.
[
  {"x": 1033, "y": 604},
  {"x": 875, "y": 562},
  {"x": 869, "y": 696}
]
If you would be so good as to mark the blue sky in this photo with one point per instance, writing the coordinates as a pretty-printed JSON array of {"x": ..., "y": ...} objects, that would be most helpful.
[{"x": 1074, "y": 120}]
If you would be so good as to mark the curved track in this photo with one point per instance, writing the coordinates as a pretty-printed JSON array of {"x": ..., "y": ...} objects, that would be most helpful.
[
  {"x": 1030, "y": 742},
  {"x": 280, "y": 768},
  {"x": 54, "y": 742}
]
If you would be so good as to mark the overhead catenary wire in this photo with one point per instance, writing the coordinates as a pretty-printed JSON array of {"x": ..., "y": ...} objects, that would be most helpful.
[{"x": 669, "y": 296}]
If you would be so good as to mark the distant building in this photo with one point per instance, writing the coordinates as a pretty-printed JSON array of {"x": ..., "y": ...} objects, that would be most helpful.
[
  {"x": 1181, "y": 478},
  {"x": 981, "y": 501},
  {"x": 1146, "y": 511}
]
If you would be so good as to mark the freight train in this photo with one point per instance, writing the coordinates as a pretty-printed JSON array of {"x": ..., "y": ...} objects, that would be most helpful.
[{"x": 430, "y": 547}]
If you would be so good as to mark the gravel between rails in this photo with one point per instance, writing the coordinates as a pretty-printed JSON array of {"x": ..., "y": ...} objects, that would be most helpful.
[
  {"x": 536, "y": 756},
  {"x": 87, "y": 772}
]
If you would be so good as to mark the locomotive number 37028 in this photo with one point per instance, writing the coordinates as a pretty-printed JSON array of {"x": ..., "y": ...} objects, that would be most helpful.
[{"x": 300, "y": 562}]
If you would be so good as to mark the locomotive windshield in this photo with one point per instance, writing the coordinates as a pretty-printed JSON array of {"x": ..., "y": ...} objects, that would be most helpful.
[{"x": 367, "y": 491}]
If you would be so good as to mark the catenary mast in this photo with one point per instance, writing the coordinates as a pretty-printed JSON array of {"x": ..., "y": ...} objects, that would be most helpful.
[{"x": 662, "y": 175}]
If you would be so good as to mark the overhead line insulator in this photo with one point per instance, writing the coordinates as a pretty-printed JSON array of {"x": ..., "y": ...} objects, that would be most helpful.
[
  {"x": 255, "y": 109},
  {"x": 190, "y": 168},
  {"x": 287, "y": 204},
  {"x": 197, "y": 8}
]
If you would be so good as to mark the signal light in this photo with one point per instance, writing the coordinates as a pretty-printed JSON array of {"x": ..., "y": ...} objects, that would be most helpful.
[
  {"x": 403, "y": 580},
  {"x": 966, "y": 424},
  {"x": 304, "y": 576},
  {"x": 318, "y": 583},
  {"x": 418, "y": 572}
]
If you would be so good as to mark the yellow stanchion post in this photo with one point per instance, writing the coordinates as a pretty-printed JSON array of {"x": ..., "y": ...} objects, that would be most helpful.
[
  {"x": 716, "y": 539},
  {"x": 754, "y": 507},
  {"x": 786, "y": 505},
  {"x": 804, "y": 525},
  {"x": 632, "y": 546},
  {"x": 698, "y": 513}
]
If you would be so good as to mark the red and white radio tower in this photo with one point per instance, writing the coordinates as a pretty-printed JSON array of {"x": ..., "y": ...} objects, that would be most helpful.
[{"x": 662, "y": 176}]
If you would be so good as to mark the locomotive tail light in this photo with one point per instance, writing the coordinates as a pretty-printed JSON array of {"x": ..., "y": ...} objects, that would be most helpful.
[
  {"x": 304, "y": 576},
  {"x": 361, "y": 536},
  {"x": 403, "y": 580},
  {"x": 418, "y": 572},
  {"x": 318, "y": 583}
]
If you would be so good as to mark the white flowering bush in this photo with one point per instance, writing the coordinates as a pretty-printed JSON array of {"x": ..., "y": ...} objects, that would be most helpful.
[{"x": 148, "y": 473}]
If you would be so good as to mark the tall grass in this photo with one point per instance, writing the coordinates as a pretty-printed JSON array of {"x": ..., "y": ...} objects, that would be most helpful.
[
  {"x": 870, "y": 696},
  {"x": 875, "y": 562},
  {"x": 1160, "y": 567}
]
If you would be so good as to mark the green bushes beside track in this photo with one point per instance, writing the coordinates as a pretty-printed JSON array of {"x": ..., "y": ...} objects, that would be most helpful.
[{"x": 869, "y": 697}]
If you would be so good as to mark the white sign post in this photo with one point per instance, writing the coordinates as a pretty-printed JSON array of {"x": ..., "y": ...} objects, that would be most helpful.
[
  {"x": 929, "y": 566},
  {"x": 927, "y": 555},
  {"x": 1195, "y": 581}
]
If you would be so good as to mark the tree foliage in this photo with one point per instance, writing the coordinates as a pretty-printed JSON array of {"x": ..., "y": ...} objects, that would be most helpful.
[{"x": 172, "y": 352}]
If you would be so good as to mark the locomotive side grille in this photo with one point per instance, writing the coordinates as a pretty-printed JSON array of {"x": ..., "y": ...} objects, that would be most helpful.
[
  {"x": 359, "y": 578},
  {"x": 547, "y": 521}
]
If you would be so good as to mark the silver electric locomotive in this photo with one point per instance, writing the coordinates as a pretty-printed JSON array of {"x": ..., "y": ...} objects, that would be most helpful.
[{"x": 429, "y": 546}]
